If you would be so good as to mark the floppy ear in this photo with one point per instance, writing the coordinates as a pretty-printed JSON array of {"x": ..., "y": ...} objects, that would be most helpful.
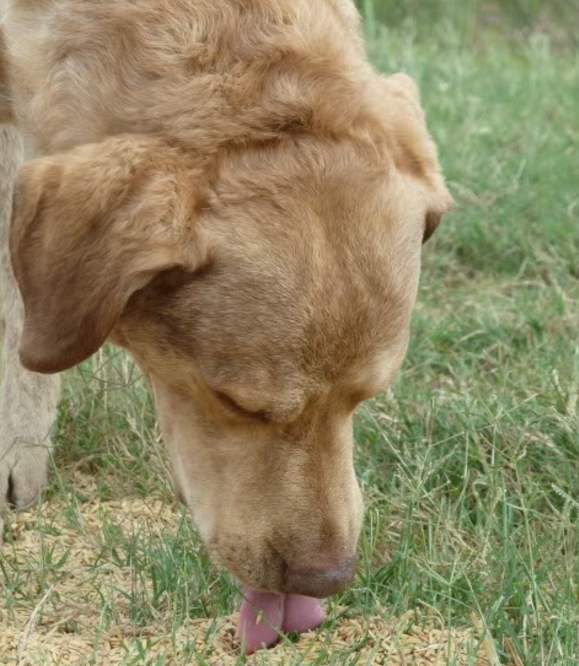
[
  {"x": 439, "y": 204},
  {"x": 90, "y": 228},
  {"x": 415, "y": 151}
]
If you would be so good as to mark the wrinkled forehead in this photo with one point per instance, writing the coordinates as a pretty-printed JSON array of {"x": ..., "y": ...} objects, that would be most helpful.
[
  {"x": 301, "y": 316},
  {"x": 306, "y": 281}
]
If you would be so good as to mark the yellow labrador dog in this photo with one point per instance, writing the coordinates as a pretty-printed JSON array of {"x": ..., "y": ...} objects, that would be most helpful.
[{"x": 230, "y": 192}]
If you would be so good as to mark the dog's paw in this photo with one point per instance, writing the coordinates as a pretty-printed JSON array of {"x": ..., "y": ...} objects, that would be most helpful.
[{"x": 23, "y": 472}]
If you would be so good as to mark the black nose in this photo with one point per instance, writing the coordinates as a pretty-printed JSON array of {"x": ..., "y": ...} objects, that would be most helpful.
[{"x": 320, "y": 582}]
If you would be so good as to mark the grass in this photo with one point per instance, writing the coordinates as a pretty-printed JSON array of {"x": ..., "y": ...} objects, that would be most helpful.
[{"x": 470, "y": 465}]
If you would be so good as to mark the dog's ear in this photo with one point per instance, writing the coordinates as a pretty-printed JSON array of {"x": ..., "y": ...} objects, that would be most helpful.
[
  {"x": 90, "y": 228},
  {"x": 415, "y": 151},
  {"x": 439, "y": 204}
]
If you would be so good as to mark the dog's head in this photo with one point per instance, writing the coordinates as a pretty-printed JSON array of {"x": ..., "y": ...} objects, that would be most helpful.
[{"x": 265, "y": 294}]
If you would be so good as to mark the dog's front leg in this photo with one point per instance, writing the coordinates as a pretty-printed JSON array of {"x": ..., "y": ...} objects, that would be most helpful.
[
  {"x": 5, "y": 105},
  {"x": 27, "y": 400}
]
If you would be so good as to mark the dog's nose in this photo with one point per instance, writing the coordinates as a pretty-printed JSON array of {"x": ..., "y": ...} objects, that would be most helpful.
[{"x": 320, "y": 582}]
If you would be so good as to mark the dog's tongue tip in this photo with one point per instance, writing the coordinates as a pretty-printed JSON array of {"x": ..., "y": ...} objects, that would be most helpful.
[
  {"x": 264, "y": 615},
  {"x": 260, "y": 619},
  {"x": 302, "y": 613}
]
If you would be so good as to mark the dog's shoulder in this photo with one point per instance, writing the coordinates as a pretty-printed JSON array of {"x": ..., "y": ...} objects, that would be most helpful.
[{"x": 200, "y": 72}]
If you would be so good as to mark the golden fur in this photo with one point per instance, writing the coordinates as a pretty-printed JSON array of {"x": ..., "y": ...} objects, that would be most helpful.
[{"x": 229, "y": 191}]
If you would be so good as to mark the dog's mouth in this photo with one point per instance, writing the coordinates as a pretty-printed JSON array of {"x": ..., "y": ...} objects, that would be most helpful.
[{"x": 264, "y": 616}]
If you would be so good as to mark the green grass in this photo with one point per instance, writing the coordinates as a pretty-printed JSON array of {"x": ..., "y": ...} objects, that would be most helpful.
[{"x": 470, "y": 465}]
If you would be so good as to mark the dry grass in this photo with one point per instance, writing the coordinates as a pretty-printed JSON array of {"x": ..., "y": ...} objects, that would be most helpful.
[
  {"x": 64, "y": 620},
  {"x": 469, "y": 465}
]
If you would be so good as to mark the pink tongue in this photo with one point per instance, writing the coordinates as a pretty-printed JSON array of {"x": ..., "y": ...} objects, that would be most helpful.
[
  {"x": 260, "y": 620},
  {"x": 302, "y": 613},
  {"x": 263, "y": 615}
]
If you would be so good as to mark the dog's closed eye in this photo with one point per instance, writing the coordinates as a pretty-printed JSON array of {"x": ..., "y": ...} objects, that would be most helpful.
[{"x": 235, "y": 407}]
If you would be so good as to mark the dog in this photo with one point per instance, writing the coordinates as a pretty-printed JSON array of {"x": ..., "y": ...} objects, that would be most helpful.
[{"x": 230, "y": 192}]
